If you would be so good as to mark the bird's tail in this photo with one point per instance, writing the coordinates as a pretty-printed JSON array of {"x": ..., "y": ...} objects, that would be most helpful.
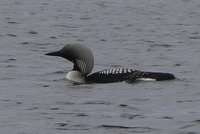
[{"x": 158, "y": 76}]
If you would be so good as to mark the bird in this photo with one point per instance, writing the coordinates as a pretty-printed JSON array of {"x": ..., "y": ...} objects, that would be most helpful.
[{"x": 83, "y": 63}]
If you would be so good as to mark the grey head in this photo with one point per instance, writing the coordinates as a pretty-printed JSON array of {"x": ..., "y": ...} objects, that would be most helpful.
[{"x": 78, "y": 54}]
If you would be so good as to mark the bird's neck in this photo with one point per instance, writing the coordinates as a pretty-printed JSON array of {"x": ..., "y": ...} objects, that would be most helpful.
[{"x": 76, "y": 76}]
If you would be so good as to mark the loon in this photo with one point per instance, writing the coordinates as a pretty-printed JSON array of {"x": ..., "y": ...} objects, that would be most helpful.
[{"x": 83, "y": 61}]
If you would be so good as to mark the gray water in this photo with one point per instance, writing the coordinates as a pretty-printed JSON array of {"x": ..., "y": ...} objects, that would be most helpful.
[{"x": 156, "y": 35}]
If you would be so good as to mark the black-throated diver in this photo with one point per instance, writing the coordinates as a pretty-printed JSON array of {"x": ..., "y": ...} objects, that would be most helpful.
[{"x": 83, "y": 61}]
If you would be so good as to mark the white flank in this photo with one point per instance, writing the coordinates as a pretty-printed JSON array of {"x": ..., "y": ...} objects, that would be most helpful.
[{"x": 146, "y": 79}]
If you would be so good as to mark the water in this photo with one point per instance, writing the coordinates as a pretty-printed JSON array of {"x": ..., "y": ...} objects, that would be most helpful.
[{"x": 161, "y": 35}]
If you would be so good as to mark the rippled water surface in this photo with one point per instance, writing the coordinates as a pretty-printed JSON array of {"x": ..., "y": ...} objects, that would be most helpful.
[{"x": 156, "y": 35}]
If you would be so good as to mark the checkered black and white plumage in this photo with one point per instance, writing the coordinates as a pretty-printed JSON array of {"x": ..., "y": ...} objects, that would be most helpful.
[{"x": 126, "y": 75}]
